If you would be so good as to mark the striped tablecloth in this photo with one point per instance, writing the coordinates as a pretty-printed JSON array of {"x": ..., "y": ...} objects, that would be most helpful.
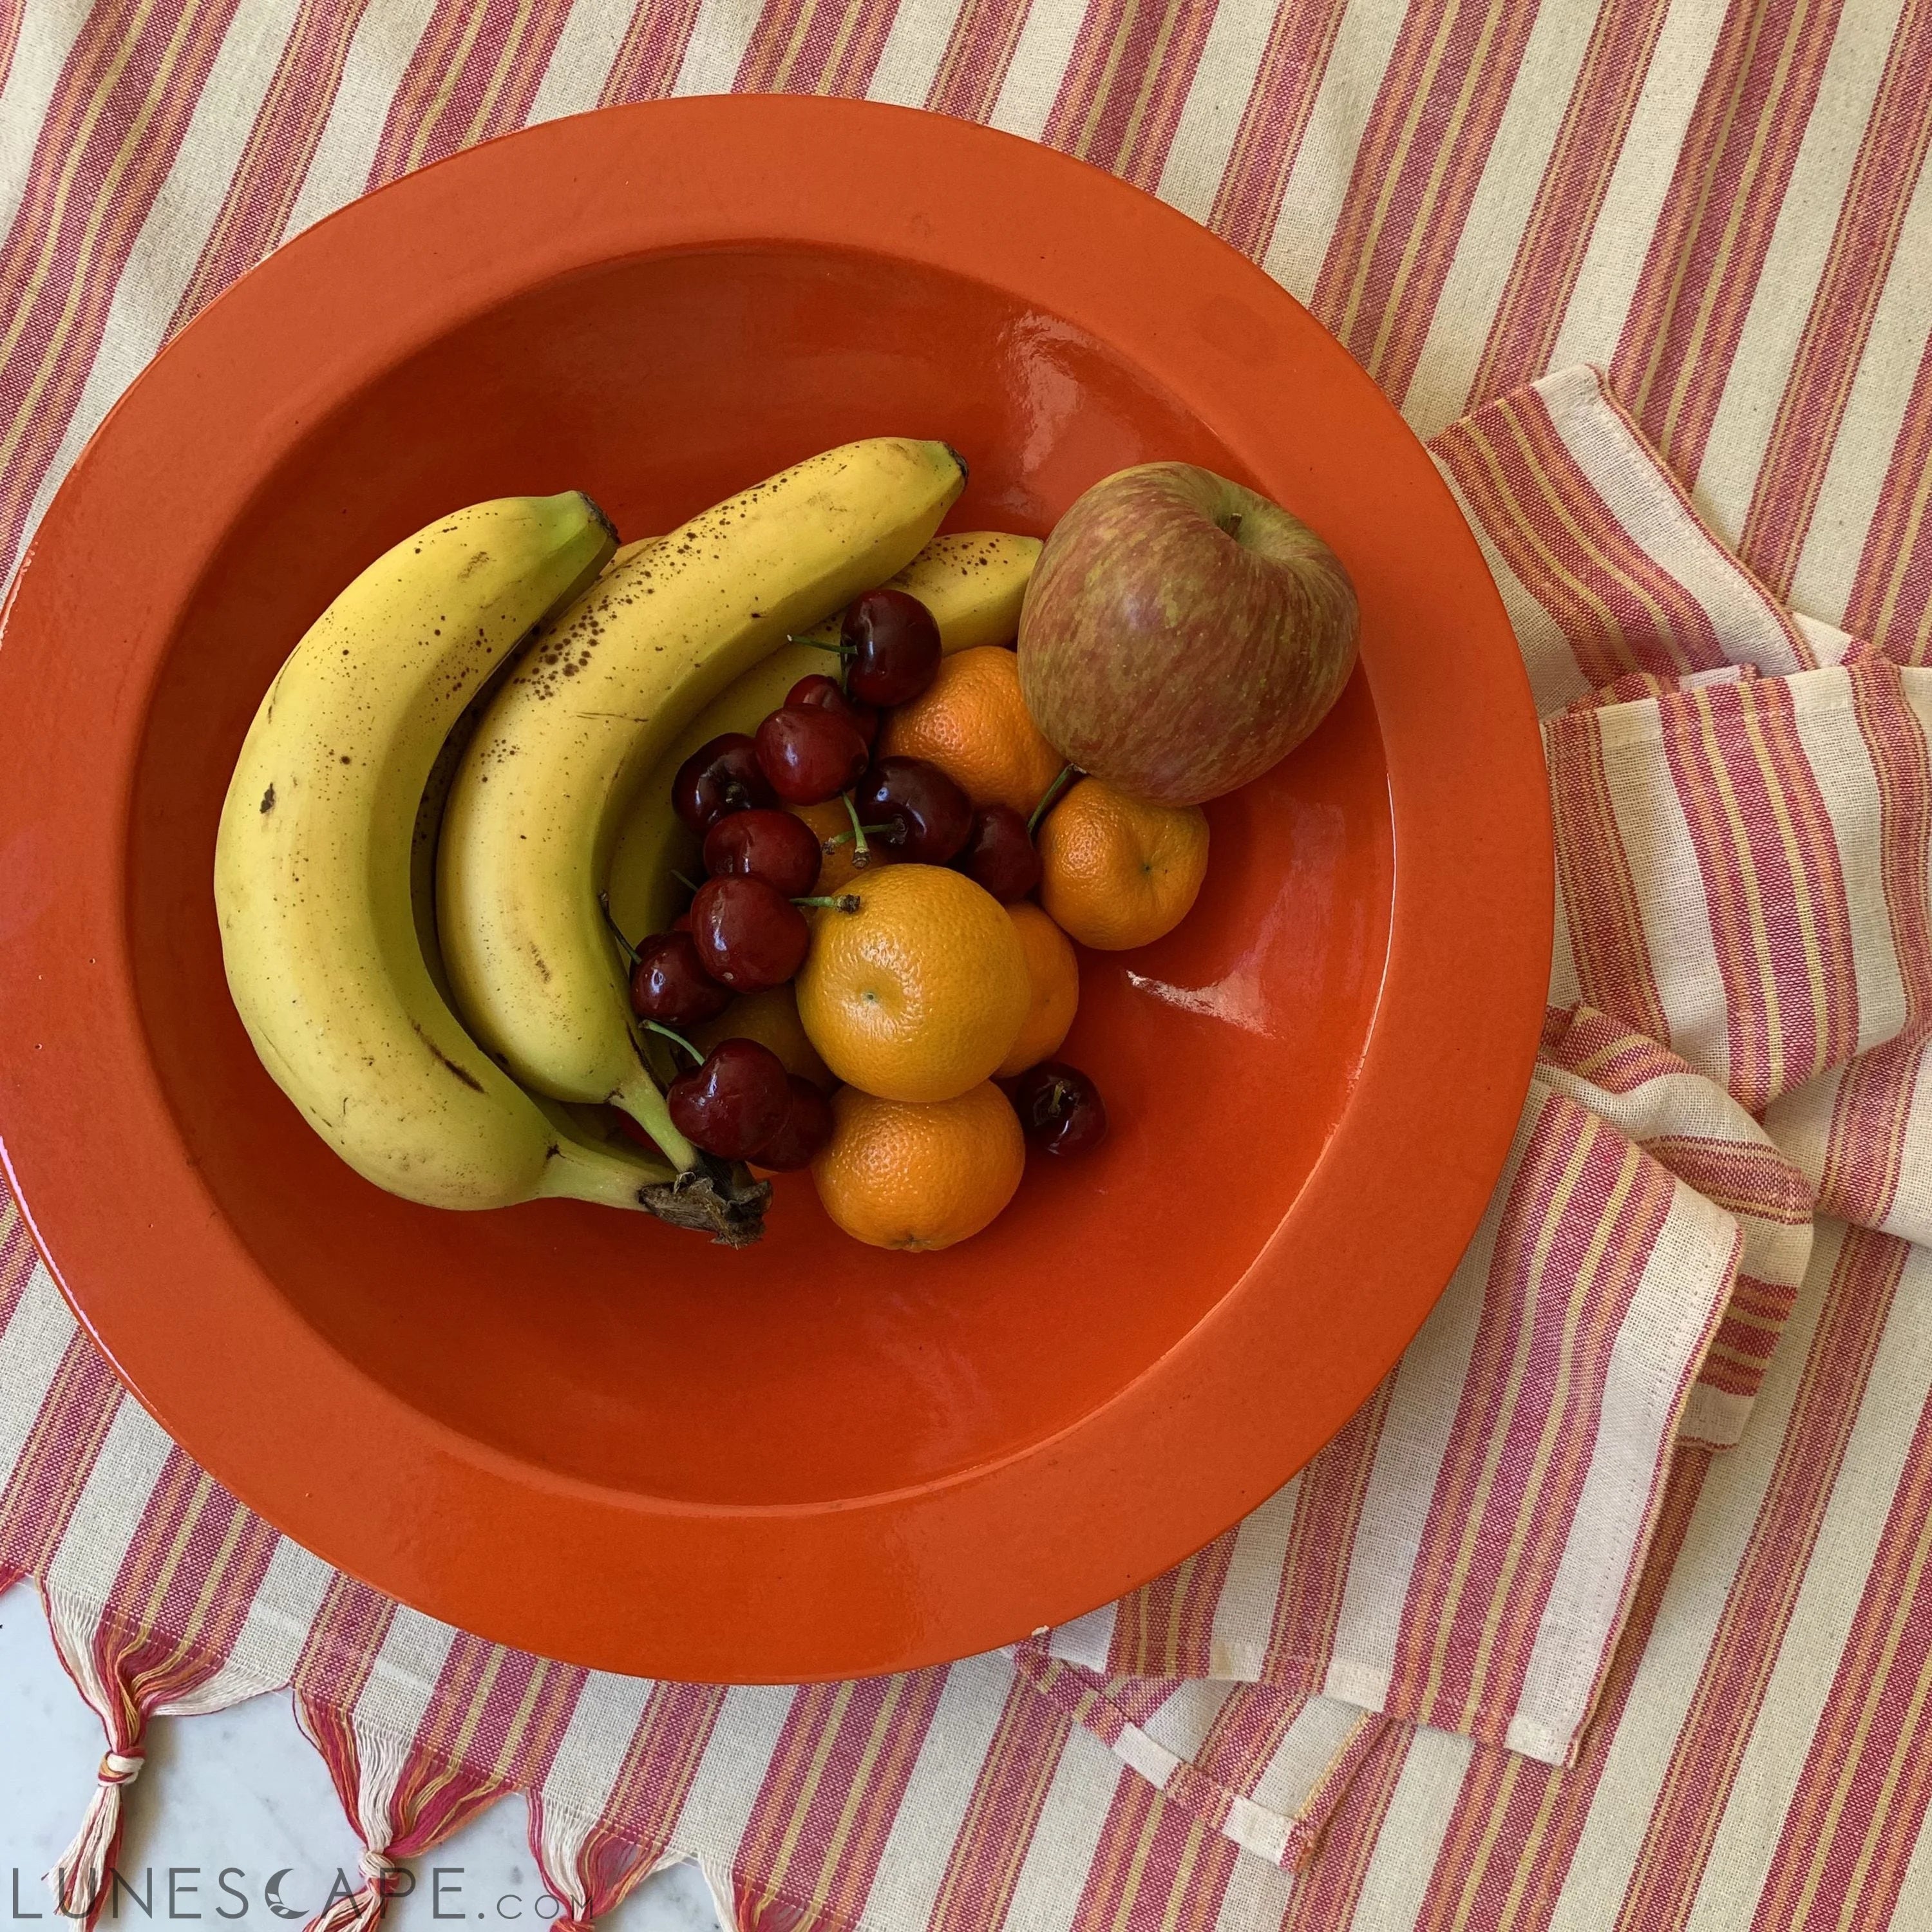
[{"x": 1608, "y": 1611}]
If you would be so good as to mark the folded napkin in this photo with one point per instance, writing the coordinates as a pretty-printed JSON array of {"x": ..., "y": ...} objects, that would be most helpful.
[{"x": 1741, "y": 800}]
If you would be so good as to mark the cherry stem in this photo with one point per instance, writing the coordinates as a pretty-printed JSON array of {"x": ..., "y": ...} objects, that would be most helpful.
[
  {"x": 844, "y": 902},
  {"x": 676, "y": 1039},
  {"x": 817, "y": 644},
  {"x": 839, "y": 838},
  {"x": 1052, "y": 792},
  {"x": 629, "y": 951},
  {"x": 684, "y": 882},
  {"x": 861, "y": 852}
]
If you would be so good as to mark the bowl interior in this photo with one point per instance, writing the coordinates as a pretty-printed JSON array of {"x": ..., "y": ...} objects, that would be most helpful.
[{"x": 604, "y": 1346}]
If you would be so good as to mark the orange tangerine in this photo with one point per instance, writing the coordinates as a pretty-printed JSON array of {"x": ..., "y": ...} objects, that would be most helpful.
[
  {"x": 837, "y": 848},
  {"x": 1116, "y": 872},
  {"x": 771, "y": 1018},
  {"x": 917, "y": 995},
  {"x": 972, "y": 723},
  {"x": 1053, "y": 972},
  {"x": 898, "y": 1173}
]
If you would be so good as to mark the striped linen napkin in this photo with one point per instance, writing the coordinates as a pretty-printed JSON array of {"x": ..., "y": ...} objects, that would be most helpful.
[{"x": 1610, "y": 1609}]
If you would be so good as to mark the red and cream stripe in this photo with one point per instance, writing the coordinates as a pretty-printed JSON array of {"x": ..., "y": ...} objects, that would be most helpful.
[
  {"x": 815, "y": 47},
  {"x": 474, "y": 74},
  {"x": 1416, "y": 172},
  {"x": 1811, "y": 410},
  {"x": 125, "y": 95},
  {"x": 261, "y": 193},
  {"x": 1711, "y": 234},
  {"x": 1730, "y": 1692}
]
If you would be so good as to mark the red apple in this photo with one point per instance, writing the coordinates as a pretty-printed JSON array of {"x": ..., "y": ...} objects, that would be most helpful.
[{"x": 1181, "y": 633}]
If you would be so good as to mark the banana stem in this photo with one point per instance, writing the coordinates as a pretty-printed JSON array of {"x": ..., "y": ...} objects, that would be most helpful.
[
  {"x": 639, "y": 1096},
  {"x": 576, "y": 1171},
  {"x": 1046, "y": 798}
]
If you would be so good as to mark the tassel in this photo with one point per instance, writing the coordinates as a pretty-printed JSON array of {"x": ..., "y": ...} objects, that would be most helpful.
[
  {"x": 361, "y": 1910},
  {"x": 80, "y": 1881}
]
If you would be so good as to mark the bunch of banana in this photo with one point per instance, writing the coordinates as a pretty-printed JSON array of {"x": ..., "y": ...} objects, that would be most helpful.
[
  {"x": 972, "y": 582},
  {"x": 585, "y": 717},
  {"x": 331, "y": 966}
]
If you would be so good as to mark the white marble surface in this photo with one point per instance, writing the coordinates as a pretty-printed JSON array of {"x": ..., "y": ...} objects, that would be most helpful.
[{"x": 242, "y": 1796}]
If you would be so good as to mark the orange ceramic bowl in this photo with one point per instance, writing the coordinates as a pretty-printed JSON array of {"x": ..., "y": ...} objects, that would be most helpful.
[{"x": 581, "y": 1432}]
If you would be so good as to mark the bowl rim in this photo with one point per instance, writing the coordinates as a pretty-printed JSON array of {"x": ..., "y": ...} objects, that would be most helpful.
[{"x": 653, "y": 1586}]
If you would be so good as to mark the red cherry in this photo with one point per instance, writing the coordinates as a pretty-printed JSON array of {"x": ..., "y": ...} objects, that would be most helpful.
[
  {"x": 808, "y": 754},
  {"x": 669, "y": 985},
  {"x": 929, "y": 815},
  {"x": 683, "y": 921},
  {"x": 735, "y": 1101},
  {"x": 822, "y": 693},
  {"x": 749, "y": 935},
  {"x": 774, "y": 846},
  {"x": 722, "y": 776},
  {"x": 807, "y": 1127},
  {"x": 999, "y": 853},
  {"x": 1059, "y": 1108},
  {"x": 893, "y": 647}
]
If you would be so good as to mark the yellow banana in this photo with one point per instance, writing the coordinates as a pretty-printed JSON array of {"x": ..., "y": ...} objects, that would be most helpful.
[
  {"x": 972, "y": 583},
  {"x": 314, "y": 858},
  {"x": 585, "y": 717}
]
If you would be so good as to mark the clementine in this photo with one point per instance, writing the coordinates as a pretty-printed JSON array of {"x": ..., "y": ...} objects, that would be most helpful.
[
  {"x": 918, "y": 993},
  {"x": 972, "y": 723},
  {"x": 1116, "y": 872},
  {"x": 898, "y": 1173},
  {"x": 1053, "y": 973},
  {"x": 838, "y": 849},
  {"x": 771, "y": 1018}
]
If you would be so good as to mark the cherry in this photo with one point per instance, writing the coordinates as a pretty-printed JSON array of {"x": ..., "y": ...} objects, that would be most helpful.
[
  {"x": 736, "y": 1100},
  {"x": 998, "y": 854},
  {"x": 806, "y": 1128},
  {"x": 1059, "y": 1108},
  {"x": 808, "y": 754},
  {"x": 669, "y": 983},
  {"x": 749, "y": 934},
  {"x": 719, "y": 777},
  {"x": 822, "y": 693},
  {"x": 683, "y": 921},
  {"x": 929, "y": 816},
  {"x": 891, "y": 647},
  {"x": 774, "y": 846}
]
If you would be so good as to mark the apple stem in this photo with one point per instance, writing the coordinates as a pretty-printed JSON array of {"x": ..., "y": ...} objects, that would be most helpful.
[
  {"x": 676, "y": 1039},
  {"x": 844, "y": 902},
  {"x": 1047, "y": 797},
  {"x": 1233, "y": 526},
  {"x": 624, "y": 945}
]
